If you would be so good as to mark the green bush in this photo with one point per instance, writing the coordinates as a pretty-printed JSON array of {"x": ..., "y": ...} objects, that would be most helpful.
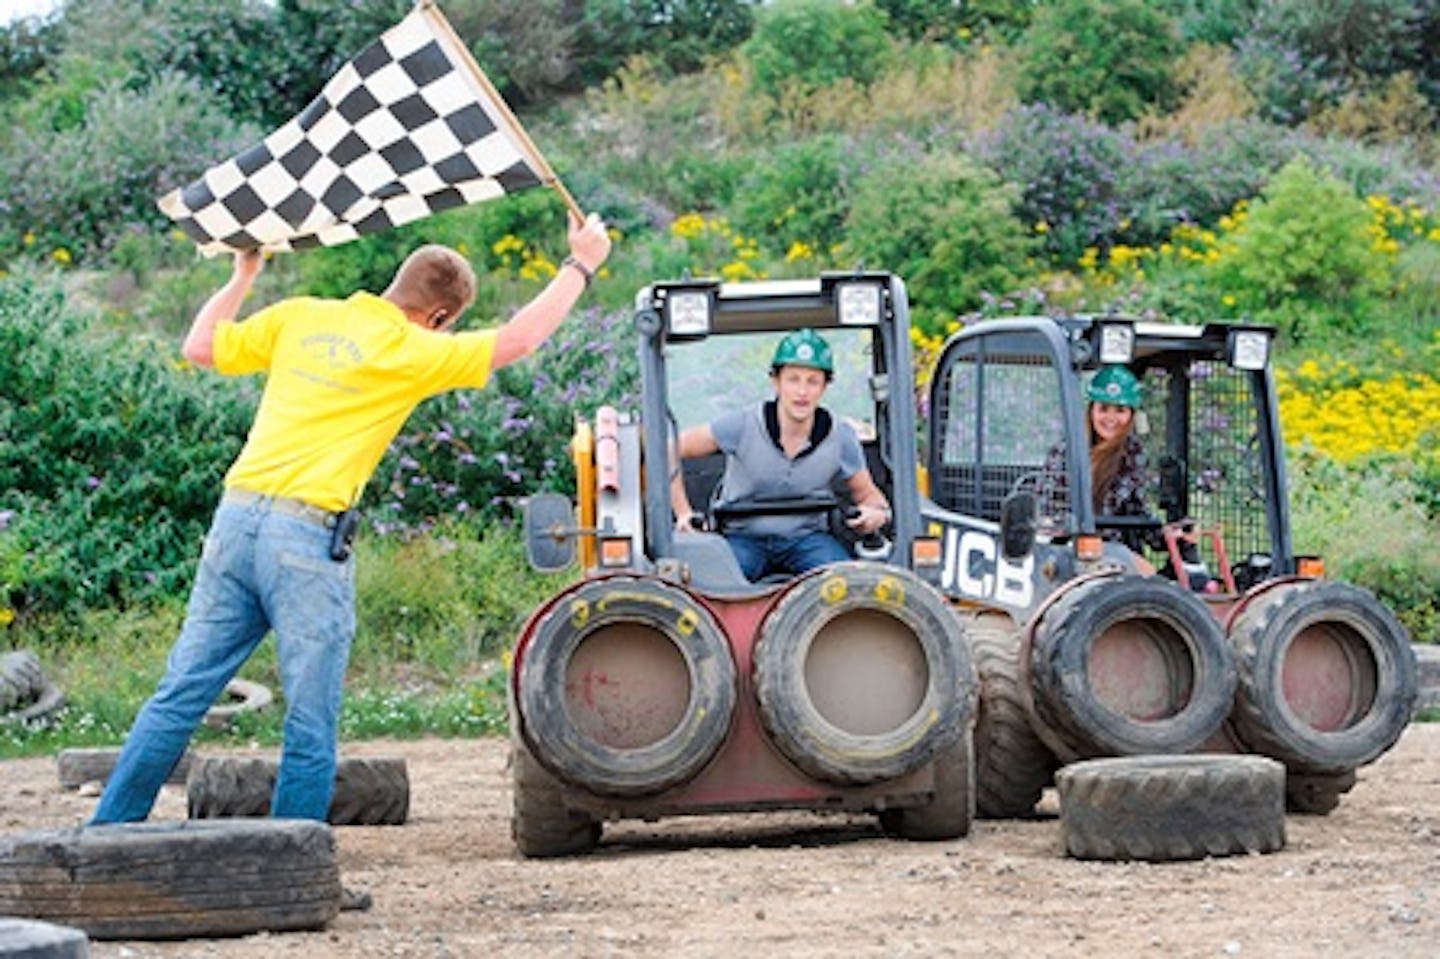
[
  {"x": 805, "y": 45},
  {"x": 1068, "y": 171},
  {"x": 1369, "y": 527},
  {"x": 683, "y": 34},
  {"x": 111, "y": 456},
  {"x": 945, "y": 224},
  {"x": 72, "y": 193},
  {"x": 798, "y": 195},
  {"x": 945, "y": 21},
  {"x": 1111, "y": 59},
  {"x": 1303, "y": 259}
]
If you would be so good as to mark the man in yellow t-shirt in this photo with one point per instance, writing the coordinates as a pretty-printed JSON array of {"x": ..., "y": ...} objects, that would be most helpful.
[{"x": 343, "y": 376}]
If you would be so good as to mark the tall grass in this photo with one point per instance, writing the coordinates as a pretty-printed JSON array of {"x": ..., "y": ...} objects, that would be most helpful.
[{"x": 437, "y": 615}]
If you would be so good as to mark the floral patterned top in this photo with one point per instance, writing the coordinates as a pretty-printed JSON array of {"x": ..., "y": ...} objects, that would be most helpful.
[{"x": 1124, "y": 497}]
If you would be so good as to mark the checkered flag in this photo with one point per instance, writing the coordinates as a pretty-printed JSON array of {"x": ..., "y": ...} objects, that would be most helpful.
[{"x": 408, "y": 128}]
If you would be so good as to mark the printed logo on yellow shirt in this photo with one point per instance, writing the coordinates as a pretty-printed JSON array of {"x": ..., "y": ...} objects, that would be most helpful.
[{"x": 336, "y": 352}]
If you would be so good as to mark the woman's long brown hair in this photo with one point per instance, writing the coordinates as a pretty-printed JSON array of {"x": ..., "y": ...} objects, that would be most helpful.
[{"x": 1105, "y": 458}]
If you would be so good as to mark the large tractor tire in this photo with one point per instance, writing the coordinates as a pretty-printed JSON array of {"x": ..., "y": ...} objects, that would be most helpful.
[
  {"x": 1012, "y": 764},
  {"x": 862, "y": 674},
  {"x": 1162, "y": 808},
  {"x": 1327, "y": 676},
  {"x": 626, "y": 686},
  {"x": 185, "y": 880},
  {"x": 540, "y": 823},
  {"x": 1130, "y": 665},
  {"x": 371, "y": 791},
  {"x": 951, "y": 809}
]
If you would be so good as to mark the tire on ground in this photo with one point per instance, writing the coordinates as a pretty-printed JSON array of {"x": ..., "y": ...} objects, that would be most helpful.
[
  {"x": 626, "y": 686},
  {"x": 22, "y": 679},
  {"x": 39, "y": 711},
  {"x": 540, "y": 823},
  {"x": 369, "y": 791},
  {"x": 1327, "y": 676},
  {"x": 1316, "y": 794},
  {"x": 1130, "y": 665},
  {"x": 1162, "y": 808},
  {"x": 240, "y": 696},
  {"x": 862, "y": 673},
  {"x": 951, "y": 809},
  {"x": 29, "y": 939},
  {"x": 1012, "y": 764},
  {"x": 174, "y": 880},
  {"x": 82, "y": 765}
]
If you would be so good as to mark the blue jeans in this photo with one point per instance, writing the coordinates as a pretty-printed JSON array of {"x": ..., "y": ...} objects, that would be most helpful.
[
  {"x": 760, "y": 555},
  {"x": 260, "y": 570}
]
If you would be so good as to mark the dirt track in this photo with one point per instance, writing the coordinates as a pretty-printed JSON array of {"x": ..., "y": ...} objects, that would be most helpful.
[{"x": 1364, "y": 881}]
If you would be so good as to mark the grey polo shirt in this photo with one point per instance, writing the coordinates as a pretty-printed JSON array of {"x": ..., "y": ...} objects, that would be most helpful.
[{"x": 756, "y": 467}]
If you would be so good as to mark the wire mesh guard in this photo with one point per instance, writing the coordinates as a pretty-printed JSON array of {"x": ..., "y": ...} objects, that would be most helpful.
[{"x": 999, "y": 426}]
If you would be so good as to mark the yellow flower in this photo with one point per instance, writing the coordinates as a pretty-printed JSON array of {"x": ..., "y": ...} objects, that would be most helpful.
[
  {"x": 1228, "y": 299},
  {"x": 61, "y": 255},
  {"x": 1042, "y": 227},
  {"x": 799, "y": 251},
  {"x": 509, "y": 243},
  {"x": 29, "y": 239},
  {"x": 7, "y": 616}
]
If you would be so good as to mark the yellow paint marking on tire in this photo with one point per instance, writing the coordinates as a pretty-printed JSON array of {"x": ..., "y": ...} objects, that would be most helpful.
[{"x": 834, "y": 590}]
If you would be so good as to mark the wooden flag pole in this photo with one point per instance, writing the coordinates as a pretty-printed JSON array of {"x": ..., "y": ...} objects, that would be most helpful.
[{"x": 547, "y": 175}]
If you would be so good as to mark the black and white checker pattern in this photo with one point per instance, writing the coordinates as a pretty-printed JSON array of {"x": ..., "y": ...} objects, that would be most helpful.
[{"x": 400, "y": 132}]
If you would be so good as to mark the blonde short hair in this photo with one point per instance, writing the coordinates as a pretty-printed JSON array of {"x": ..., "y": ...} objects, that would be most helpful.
[{"x": 434, "y": 276}]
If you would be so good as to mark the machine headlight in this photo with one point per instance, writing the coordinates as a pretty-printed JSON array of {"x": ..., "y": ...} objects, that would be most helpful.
[
  {"x": 1248, "y": 349},
  {"x": 687, "y": 312},
  {"x": 857, "y": 304},
  {"x": 1117, "y": 343}
]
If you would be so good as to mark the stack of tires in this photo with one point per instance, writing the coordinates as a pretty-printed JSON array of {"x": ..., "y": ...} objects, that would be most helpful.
[
  {"x": 1327, "y": 684},
  {"x": 1316, "y": 675},
  {"x": 629, "y": 687}
]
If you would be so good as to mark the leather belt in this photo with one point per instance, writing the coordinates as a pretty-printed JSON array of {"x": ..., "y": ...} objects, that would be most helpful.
[{"x": 287, "y": 505}]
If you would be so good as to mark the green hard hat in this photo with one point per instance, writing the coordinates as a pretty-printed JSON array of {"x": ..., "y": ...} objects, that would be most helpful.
[
  {"x": 1115, "y": 385},
  {"x": 804, "y": 348}
]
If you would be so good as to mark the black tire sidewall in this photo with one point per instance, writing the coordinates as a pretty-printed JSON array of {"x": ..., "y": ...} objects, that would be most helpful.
[
  {"x": 787, "y": 710},
  {"x": 553, "y": 738},
  {"x": 1263, "y": 719},
  {"x": 1060, "y": 656}
]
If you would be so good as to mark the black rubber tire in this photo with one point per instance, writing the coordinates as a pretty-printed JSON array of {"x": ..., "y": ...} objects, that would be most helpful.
[
  {"x": 174, "y": 880},
  {"x": 79, "y": 766},
  {"x": 240, "y": 696},
  {"x": 1163, "y": 808},
  {"x": 1316, "y": 794},
  {"x": 369, "y": 791},
  {"x": 540, "y": 824},
  {"x": 29, "y": 939},
  {"x": 951, "y": 810},
  {"x": 570, "y": 752},
  {"x": 1064, "y": 639},
  {"x": 1012, "y": 764},
  {"x": 41, "y": 710},
  {"x": 22, "y": 679},
  {"x": 1366, "y": 631},
  {"x": 788, "y": 710}
]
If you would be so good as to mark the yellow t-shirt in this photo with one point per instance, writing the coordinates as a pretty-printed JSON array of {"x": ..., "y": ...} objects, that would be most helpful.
[{"x": 344, "y": 375}]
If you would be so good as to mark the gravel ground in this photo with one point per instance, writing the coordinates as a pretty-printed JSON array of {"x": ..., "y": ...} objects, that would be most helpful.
[{"x": 1364, "y": 881}]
